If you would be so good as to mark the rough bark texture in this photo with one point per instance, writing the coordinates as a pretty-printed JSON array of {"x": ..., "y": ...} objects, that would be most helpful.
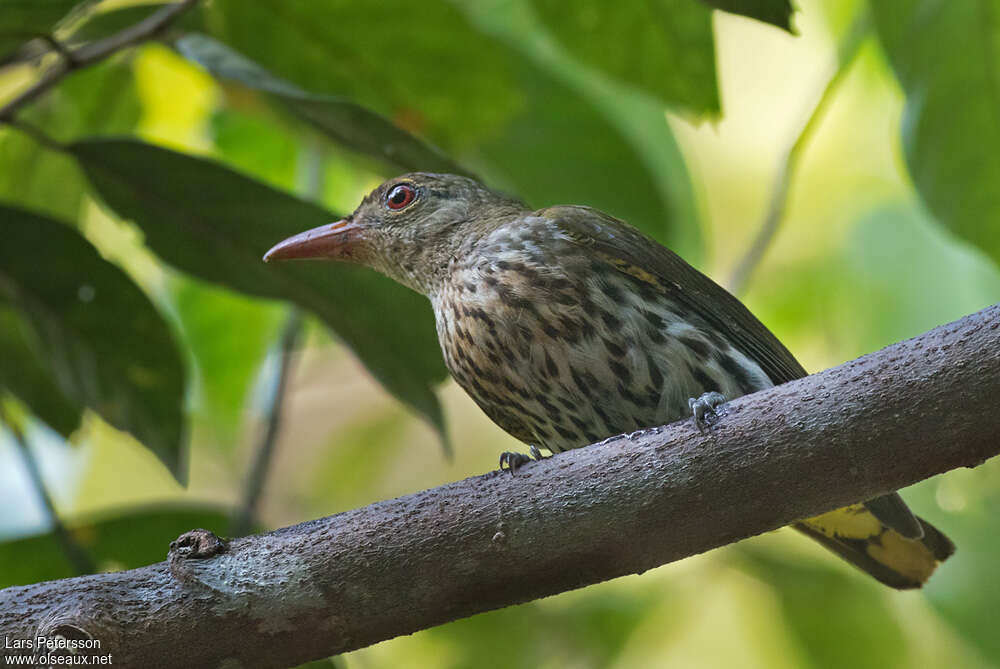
[{"x": 864, "y": 428}]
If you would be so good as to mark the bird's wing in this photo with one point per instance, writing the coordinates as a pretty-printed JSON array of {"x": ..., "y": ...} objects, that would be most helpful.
[{"x": 633, "y": 253}]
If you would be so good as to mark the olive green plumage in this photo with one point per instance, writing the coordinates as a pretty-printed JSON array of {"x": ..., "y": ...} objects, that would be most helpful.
[{"x": 568, "y": 326}]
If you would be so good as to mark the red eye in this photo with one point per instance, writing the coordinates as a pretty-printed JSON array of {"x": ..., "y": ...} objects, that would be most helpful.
[{"x": 400, "y": 196}]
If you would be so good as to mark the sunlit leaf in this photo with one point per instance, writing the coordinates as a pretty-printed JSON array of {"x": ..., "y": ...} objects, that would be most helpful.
[
  {"x": 775, "y": 12},
  {"x": 256, "y": 146},
  {"x": 24, "y": 373},
  {"x": 946, "y": 56},
  {"x": 125, "y": 540},
  {"x": 346, "y": 122},
  {"x": 97, "y": 99},
  {"x": 670, "y": 50},
  {"x": 216, "y": 224},
  {"x": 104, "y": 343},
  {"x": 228, "y": 336}
]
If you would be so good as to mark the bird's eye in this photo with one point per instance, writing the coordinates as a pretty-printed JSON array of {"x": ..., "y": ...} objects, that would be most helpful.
[{"x": 400, "y": 196}]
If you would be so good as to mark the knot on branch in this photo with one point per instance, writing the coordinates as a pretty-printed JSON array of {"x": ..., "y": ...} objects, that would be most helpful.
[{"x": 198, "y": 544}]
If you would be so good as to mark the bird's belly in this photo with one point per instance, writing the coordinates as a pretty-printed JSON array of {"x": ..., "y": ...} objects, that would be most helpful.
[{"x": 563, "y": 371}]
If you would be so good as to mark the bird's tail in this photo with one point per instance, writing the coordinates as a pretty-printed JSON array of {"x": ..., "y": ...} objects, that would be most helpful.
[{"x": 855, "y": 534}]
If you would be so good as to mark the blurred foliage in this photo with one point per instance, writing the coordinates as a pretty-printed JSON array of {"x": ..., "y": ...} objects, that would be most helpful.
[
  {"x": 132, "y": 292},
  {"x": 24, "y": 20},
  {"x": 212, "y": 222},
  {"x": 942, "y": 53},
  {"x": 97, "y": 335}
]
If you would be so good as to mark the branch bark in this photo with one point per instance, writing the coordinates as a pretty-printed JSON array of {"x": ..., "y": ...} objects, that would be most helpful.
[{"x": 862, "y": 429}]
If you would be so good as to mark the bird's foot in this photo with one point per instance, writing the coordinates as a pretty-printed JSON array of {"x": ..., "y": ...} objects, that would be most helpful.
[
  {"x": 705, "y": 409},
  {"x": 513, "y": 461}
]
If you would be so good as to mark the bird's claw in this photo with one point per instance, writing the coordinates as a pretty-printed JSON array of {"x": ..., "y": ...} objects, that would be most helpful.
[
  {"x": 705, "y": 409},
  {"x": 512, "y": 461}
]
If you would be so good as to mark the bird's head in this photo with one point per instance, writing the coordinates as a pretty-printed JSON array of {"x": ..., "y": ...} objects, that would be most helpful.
[{"x": 409, "y": 228}]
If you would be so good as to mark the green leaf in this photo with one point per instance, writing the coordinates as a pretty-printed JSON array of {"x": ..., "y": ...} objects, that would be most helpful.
[
  {"x": 946, "y": 56},
  {"x": 23, "y": 20},
  {"x": 125, "y": 540},
  {"x": 421, "y": 66},
  {"x": 347, "y": 123},
  {"x": 216, "y": 224},
  {"x": 101, "y": 24},
  {"x": 661, "y": 46},
  {"x": 104, "y": 343},
  {"x": 97, "y": 99},
  {"x": 582, "y": 139},
  {"x": 255, "y": 145},
  {"x": 25, "y": 374},
  {"x": 776, "y": 12},
  {"x": 227, "y": 335}
]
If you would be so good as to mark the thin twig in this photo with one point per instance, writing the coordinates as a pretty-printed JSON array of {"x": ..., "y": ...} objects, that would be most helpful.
[
  {"x": 91, "y": 53},
  {"x": 246, "y": 515},
  {"x": 847, "y": 52},
  {"x": 77, "y": 556}
]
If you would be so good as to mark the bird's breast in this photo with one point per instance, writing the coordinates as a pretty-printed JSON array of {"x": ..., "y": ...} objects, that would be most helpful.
[{"x": 565, "y": 353}]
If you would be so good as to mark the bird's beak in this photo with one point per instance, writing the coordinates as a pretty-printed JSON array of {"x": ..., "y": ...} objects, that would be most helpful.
[{"x": 335, "y": 240}]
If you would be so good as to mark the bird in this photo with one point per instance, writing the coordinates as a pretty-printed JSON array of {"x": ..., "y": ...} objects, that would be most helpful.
[{"x": 568, "y": 326}]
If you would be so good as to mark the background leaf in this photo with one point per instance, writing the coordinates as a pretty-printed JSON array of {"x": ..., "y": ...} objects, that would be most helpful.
[
  {"x": 24, "y": 373},
  {"x": 584, "y": 139},
  {"x": 426, "y": 70},
  {"x": 671, "y": 52},
  {"x": 216, "y": 224},
  {"x": 99, "y": 99},
  {"x": 104, "y": 343},
  {"x": 946, "y": 56},
  {"x": 23, "y": 20},
  {"x": 346, "y": 122},
  {"x": 775, "y": 12}
]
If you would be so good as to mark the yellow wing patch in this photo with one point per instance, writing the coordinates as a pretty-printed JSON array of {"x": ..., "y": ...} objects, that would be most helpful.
[
  {"x": 850, "y": 522},
  {"x": 856, "y": 531}
]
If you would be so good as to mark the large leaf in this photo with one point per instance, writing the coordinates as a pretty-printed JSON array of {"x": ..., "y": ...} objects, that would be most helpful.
[
  {"x": 25, "y": 374},
  {"x": 662, "y": 46},
  {"x": 421, "y": 66},
  {"x": 346, "y": 122},
  {"x": 583, "y": 139},
  {"x": 946, "y": 56},
  {"x": 126, "y": 540},
  {"x": 104, "y": 343},
  {"x": 23, "y": 20},
  {"x": 775, "y": 12},
  {"x": 216, "y": 224}
]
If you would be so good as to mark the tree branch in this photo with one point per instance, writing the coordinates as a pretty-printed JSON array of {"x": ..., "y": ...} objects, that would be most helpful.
[
  {"x": 91, "y": 53},
  {"x": 851, "y": 433}
]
